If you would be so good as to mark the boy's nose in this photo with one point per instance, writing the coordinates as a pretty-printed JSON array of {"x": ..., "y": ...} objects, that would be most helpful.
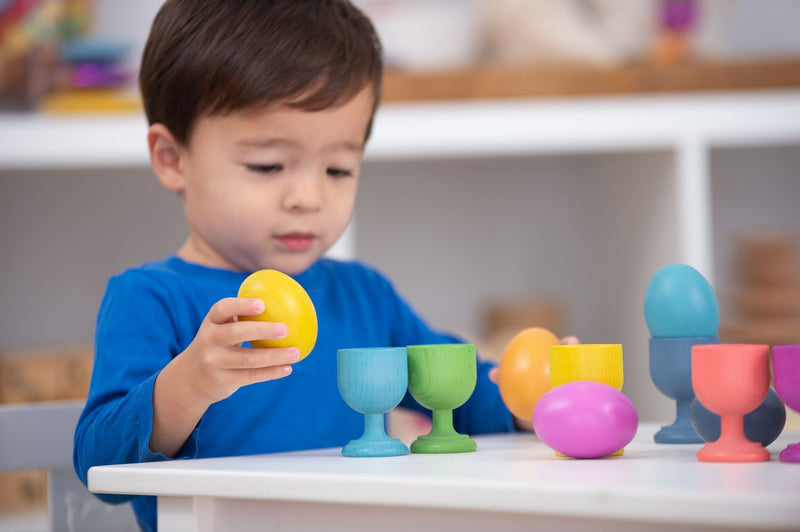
[{"x": 304, "y": 195}]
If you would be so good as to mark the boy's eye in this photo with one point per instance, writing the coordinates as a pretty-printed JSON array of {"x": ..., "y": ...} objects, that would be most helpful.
[
  {"x": 339, "y": 172},
  {"x": 264, "y": 168}
]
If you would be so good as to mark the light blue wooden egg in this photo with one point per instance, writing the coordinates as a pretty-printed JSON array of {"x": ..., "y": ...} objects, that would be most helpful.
[{"x": 680, "y": 303}]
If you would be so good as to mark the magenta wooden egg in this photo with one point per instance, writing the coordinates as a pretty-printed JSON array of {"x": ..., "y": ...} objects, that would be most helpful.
[{"x": 585, "y": 419}]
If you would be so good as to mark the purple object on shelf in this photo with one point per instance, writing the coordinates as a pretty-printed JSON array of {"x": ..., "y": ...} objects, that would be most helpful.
[
  {"x": 677, "y": 15},
  {"x": 786, "y": 377},
  {"x": 585, "y": 419},
  {"x": 99, "y": 75}
]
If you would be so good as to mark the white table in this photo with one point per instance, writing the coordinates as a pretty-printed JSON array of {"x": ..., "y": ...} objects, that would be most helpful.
[{"x": 513, "y": 482}]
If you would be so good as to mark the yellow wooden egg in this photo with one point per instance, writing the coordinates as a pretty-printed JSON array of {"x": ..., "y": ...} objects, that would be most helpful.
[{"x": 286, "y": 302}]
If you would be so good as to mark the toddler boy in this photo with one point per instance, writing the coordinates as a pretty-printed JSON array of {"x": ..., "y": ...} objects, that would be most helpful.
[{"x": 259, "y": 111}]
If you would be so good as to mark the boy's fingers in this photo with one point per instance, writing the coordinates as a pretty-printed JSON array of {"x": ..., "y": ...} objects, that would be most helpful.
[
  {"x": 254, "y": 375},
  {"x": 244, "y": 358},
  {"x": 235, "y": 333},
  {"x": 225, "y": 310}
]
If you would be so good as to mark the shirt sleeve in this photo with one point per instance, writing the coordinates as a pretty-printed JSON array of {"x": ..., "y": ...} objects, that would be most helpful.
[
  {"x": 135, "y": 338},
  {"x": 484, "y": 412}
]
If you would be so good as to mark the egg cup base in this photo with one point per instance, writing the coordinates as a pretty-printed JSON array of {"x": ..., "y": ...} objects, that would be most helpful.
[{"x": 678, "y": 432}]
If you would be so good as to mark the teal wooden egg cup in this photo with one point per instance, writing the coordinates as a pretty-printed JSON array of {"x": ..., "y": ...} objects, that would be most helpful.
[
  {"x": 671, "y": 372},
  {"x": 441, "y": 378},
  {"x": 373, "y": 381}
]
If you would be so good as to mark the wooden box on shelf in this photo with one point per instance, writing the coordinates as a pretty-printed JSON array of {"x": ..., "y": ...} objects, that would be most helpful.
[
  {"x": 36, "y": 375},
  {"x": 763, "y": 304}
]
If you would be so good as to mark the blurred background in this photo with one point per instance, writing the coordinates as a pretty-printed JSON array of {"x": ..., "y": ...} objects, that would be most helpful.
[{"x": 534, "y": 163}]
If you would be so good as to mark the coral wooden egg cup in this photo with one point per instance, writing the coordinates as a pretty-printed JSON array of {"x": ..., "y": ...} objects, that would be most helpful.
[{"x": 731, "y": 380}]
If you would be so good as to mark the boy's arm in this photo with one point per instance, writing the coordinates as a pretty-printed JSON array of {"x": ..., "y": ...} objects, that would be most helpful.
[
  {"x": 135, "y": 337},
  {"x": 135, "y": 342}
]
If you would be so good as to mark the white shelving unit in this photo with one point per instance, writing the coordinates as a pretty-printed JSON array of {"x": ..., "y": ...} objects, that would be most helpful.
[
  {"x": 688, "y": 126},
  {"x": 684, "y": 131}
]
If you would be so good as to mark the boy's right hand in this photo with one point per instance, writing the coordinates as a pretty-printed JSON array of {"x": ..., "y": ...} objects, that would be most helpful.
[
  {"x": 213, "y": 367},
  {"x": 217, "y": 365}
]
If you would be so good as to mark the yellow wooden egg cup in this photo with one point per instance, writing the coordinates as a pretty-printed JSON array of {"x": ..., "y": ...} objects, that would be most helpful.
[{"x": 587, "y": 362}]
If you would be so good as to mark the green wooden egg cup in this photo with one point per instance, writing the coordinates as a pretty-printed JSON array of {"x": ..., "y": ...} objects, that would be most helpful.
[{"x": 442, "y": 377}]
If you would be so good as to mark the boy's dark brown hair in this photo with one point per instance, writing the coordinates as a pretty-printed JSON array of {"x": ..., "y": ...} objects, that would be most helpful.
[{"x": 209, "y": 57}]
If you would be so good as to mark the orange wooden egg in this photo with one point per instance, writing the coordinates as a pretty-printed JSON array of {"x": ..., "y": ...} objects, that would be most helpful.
[{"x": 525, "y": 370}]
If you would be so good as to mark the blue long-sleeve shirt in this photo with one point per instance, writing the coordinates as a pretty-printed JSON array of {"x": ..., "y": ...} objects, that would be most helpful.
[{"x": 151, "y": 313}]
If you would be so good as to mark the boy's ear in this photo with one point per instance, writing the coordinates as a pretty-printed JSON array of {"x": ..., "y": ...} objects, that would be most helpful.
[{"x": 165, "y": 157}]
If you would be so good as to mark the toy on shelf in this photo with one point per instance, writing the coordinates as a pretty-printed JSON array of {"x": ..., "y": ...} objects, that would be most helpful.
[
  {"x": 96, "y": 62},
  {"x": 442, "y": 377},
  {"x": 285, "y": 301},
  {"x": 524, "y": 374},
  {"x": 764, "y": 424},
  {"x": 585, "y": 419},
  {"x": 681, "y": 311},
  {"x": 29, "y": 38},
  {"x": 585, "y": 415},
  {"x": 731, "y": 380},
  {"x": 786, "y": 374},
  {"x": 373, "y": 381},
  {"x": 49, "y": 60},
  {"x": 94, "y": 77},
  {"x": 673, "y": 44}
]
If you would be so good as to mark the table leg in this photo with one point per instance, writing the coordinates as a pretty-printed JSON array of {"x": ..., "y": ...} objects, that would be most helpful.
[{"x": 186, "y": 514}]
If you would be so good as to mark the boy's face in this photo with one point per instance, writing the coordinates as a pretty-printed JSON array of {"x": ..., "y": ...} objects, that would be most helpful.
[{"x": 273, "y": 188}]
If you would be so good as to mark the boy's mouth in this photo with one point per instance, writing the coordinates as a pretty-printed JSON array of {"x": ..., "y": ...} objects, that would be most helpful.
[{"x": 296, "y": 241}]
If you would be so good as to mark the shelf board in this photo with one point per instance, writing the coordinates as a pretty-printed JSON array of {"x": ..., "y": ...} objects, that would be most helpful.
[
  {"x": 585, "y": 125},
  {"x": 495, "y": 82},
  {"x": 38, "y": 140},
  {"x": 456, "y": 128}
]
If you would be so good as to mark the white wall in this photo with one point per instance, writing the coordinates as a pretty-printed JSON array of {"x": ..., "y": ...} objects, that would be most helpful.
[
  {"x": 64, "y": 233},
  {"x": 127, "y": 21}
]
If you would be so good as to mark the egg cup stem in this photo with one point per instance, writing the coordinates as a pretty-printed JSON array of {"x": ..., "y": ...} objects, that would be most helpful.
[
  {"x": 443, "y": 437},
  {"x": 732, "y": 445},
  {"x": 681, "y": 430},
  {"x": 374, "y": 427}
]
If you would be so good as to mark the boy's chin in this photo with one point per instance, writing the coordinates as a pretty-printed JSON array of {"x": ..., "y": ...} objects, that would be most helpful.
[{"x": 294, "y": 264}]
